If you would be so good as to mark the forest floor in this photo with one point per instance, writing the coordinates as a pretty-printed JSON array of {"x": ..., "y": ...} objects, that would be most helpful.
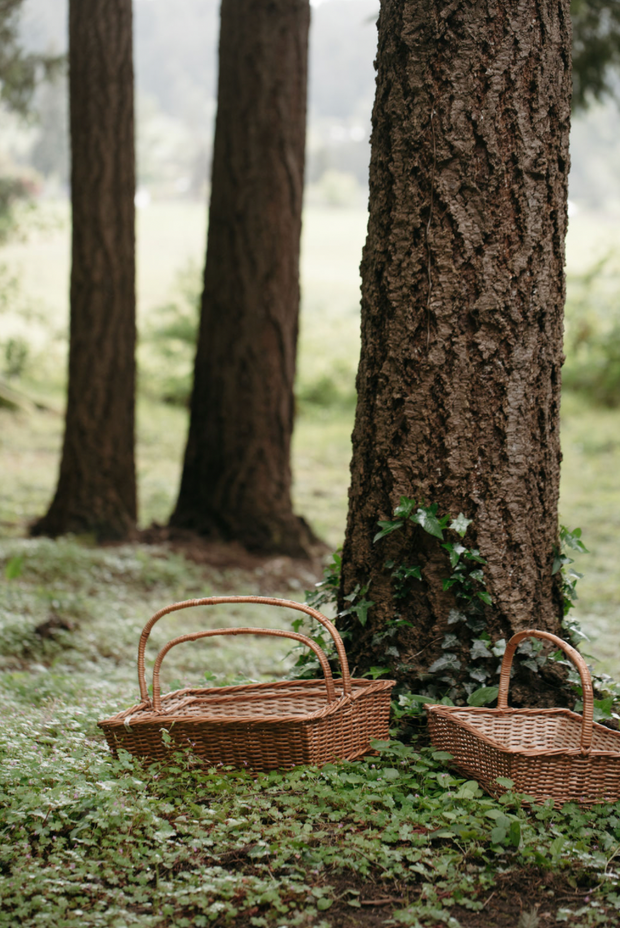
[
  {"x": 392, "y": 839},
  {"x": 90, "y": 841}
]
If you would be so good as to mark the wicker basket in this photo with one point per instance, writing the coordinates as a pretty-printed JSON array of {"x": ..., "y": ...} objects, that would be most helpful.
[
  {"x": 547, "y": 753},
  {"x": 264, "y": 726}
]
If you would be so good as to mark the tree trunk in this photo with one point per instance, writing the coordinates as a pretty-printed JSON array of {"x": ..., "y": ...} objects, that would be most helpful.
[
  {"x": 236, "y": 481},
  {"x": 97, "y": 487},
  {"x": 462, "y": 316}
]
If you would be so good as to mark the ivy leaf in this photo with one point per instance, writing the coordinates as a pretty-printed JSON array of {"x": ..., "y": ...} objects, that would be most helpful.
[
  {"x": 361, "y": 610},
  {"x": 556, "y": 847},
  {"x": 414, "y": 572},
  {"x": 450, "y": 641},
  {"x": 479, "y": 649},
  {"x": 427, "y": 519},
  {"x": 484, "y": 597},
  {"x": 476, "y": 623},
  {"x": 408, "y": 698},
  {"x": 575, "y": 631},
  {"x": 455, "y": 616},
  {"x": 603, "y": 707},
  {"x": 572, "y": 539},
  {"x": 531, "y": 665},
  {"x": 405, "y": 507},
  {"x": 447, "y": 661},
  {"x": 499, "y": 648},
  {"x": 455, "y": 552},
  {"x": 376, "y": 672},
  {"x": 387, "y": 527},
  {"x": 351, "y": 597},
  {"x": 530, "y": 647},
  {"x": 474, "y": 555},
  {"x": 558, "y": 563},
  {"x": 460, "y": 524},
  {"x": 483, "y": 696},
  {"x": 404, "y": 573}
]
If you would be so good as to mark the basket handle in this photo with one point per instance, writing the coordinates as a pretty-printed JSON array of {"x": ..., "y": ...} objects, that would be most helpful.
[
  {"x": 578, "y": 661},
  {"x": 275, "y": 632},
  {"x": 265, "y": 600}
]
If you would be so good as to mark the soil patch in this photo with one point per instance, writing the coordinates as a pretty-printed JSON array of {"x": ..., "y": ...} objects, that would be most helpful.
[
  {"x": 527, "y": 898},
  {"x": 268, "y": 574}
]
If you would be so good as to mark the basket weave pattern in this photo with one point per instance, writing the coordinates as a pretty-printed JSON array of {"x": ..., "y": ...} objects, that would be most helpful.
[
  {"x": 547, "y": 753},
  {"x": 264, "y": 726}
]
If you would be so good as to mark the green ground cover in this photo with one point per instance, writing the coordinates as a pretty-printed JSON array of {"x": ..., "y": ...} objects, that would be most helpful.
[
  {"x": 87, "y": 840},
  {"x": 93, "y": 842}
]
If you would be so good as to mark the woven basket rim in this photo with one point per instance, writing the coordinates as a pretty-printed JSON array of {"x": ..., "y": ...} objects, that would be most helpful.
[
  {"x": 149, "y": 715},
  {"x": 144, "y": 714},
  {"x": 453, "y": 712}
]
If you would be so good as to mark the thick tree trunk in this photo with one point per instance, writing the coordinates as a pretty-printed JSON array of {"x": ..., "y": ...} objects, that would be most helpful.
[
  {"x": 97, "y": 488},
  {"x": 236, "y": 480},
  {"x": 462, "y": 309}
]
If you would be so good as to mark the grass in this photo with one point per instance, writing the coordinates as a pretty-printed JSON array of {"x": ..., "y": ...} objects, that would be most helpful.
[
  {"x": 87, "y": 840},
  {"x": 66, "y": 606},
  {"x": 171, "y": 234},
  {"x": 590, "y": 499},
  {"x": 94, "y": 842}
]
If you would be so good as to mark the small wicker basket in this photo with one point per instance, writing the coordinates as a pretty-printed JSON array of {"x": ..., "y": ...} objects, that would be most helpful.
[
  {"x": 264, "y": 726},
  {"x": 547, "y": 753}
]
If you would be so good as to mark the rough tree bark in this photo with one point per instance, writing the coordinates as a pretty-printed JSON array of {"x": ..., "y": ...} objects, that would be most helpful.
[
  {"x": 236, "y": 481},
  {"x": 462, "y": 309},
  {"x": 96, "y": 490}
]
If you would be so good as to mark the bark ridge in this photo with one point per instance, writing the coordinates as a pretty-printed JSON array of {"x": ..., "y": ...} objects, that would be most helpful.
[{"x": 462, "y": 304}]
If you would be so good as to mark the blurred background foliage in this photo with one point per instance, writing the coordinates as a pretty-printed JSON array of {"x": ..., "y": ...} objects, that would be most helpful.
[{"x": 176, "y": 63}]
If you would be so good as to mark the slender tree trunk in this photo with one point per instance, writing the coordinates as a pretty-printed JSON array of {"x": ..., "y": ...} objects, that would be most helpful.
[
  {"x": 97, "y": 486},
  {"x": 236, "y": 481},
  {"x": 462, "y": 313}
]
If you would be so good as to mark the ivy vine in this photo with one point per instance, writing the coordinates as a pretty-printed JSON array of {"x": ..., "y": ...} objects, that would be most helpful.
[{"x": 470, "y": 658}]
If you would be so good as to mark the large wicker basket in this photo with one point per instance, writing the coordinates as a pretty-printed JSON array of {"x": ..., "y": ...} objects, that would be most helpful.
[
  {"x": 264, "y": 726},
  {"x": 547, "y": 753}
]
